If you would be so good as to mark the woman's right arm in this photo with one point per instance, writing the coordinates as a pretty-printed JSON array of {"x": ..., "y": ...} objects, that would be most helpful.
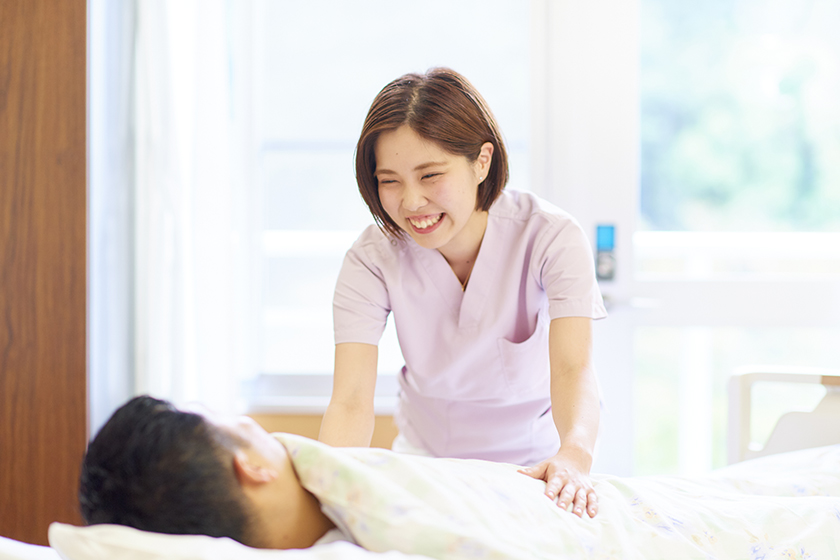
[{"x": 348, "y": 421}]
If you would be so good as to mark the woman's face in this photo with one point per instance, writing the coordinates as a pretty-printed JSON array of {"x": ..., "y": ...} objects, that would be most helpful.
[{"x": 430, "y": 193}]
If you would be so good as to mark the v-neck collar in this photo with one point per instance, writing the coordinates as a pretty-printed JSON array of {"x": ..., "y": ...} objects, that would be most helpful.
[{"x": 467, "y": 303}]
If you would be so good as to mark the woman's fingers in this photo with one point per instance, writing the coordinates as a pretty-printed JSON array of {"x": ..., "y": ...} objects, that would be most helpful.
[
  {"x": 537, "y": 471},
  {"x": 568, "y": 488},
  {"x": 567, "y": 496},
  {"x": 580, "y": 502},
  {"x": 592, "y": 501},
  {"x": 553, "y": 487},
  {"x": 581, "y": 499}
]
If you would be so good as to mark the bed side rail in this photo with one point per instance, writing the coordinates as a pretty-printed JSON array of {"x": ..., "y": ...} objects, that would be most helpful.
[{"x": 794, "y": 430}]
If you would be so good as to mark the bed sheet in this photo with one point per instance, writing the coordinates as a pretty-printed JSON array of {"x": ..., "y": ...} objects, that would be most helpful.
[{"x": 11, "y": 549}]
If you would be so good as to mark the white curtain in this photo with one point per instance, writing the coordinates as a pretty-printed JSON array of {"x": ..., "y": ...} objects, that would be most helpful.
[
  {"x": 195, "y": 202},
  {"x": 111, "y": 207}
]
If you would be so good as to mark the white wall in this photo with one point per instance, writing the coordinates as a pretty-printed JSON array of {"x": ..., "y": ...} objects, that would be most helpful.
[{"x": 586, "y": 147}]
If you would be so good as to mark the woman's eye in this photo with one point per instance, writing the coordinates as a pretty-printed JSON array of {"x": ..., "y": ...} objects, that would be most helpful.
[{"x": 430, "y": 175}]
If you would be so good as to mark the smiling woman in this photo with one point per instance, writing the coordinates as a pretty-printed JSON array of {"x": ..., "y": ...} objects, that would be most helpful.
[{"x": 473, "y": 275}]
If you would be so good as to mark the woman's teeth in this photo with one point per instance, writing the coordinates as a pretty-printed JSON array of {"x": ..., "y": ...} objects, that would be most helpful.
[{"x": 425, "y": 222}]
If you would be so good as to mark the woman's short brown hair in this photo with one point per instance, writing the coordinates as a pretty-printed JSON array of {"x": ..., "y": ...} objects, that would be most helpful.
[{"x": 440, "y": 106}]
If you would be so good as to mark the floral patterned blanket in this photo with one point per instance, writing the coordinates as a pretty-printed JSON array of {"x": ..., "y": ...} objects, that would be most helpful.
[{"x": 781, "y": 507}]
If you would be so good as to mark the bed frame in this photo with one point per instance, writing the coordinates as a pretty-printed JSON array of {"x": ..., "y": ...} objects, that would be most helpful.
[{"x": 794, "y": 430}]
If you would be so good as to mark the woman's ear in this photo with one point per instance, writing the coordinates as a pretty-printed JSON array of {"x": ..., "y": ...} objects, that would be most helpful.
[
  {"x": 250, "y": 473},
  {"x": 484, "y": 159}
]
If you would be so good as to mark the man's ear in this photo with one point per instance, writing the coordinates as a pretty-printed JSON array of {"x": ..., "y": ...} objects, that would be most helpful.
[{"x": 250, "y": 473}]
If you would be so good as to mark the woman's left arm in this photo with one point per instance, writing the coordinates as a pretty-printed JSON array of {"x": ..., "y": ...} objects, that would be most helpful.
[{"x": 575, "y": 406}]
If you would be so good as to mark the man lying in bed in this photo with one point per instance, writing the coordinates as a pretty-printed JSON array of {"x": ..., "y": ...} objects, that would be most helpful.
[{"x": 159, "y": 469}]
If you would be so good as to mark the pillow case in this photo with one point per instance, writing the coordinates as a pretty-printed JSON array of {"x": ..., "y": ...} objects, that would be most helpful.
[{"x": 116, "y": 542}]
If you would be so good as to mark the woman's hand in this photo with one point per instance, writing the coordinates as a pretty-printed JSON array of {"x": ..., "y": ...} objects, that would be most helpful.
[{"x": 567, "y": 482}]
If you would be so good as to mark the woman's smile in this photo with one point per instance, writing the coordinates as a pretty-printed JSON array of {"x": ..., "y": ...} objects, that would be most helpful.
[{"x": 426, "y": 224}]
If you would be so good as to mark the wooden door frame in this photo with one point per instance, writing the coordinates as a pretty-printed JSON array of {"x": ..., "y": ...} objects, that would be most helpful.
[{"x": 43, "y": 263}]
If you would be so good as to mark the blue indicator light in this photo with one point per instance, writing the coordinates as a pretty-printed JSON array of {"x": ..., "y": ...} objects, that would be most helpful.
[{"x": 605, "y": 238}]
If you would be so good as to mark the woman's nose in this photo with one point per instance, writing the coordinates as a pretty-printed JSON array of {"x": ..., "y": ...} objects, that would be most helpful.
[{"x": 413, "y": 198}]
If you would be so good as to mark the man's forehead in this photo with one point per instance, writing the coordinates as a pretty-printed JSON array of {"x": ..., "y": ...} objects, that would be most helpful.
[
  {"x": 197, "y": 408},
  {"x": 243, "y": 429},
  {"x": 226, "y": 423}
]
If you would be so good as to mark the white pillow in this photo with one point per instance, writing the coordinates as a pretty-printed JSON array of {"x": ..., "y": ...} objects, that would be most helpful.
[
  {"x": 116, "y": 542},
  {"x": 11, "y": 549}
]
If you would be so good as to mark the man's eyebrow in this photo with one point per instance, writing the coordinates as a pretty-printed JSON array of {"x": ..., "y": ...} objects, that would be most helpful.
[{"x": 418, "y": 168}]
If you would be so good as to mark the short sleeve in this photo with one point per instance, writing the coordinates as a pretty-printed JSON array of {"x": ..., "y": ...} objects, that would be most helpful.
[
  {"x": 361, "y": 303},
  {"x": 567, "y": 272}
]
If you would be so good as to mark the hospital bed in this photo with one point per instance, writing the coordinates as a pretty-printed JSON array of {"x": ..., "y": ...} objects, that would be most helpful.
[{"x": 794, "y": 431}]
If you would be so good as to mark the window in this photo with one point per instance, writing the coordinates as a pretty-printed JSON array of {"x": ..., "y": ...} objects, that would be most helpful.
[
  {"x": 740, "y": 210},
  {"x": 739, "y": 116},
  {"x": 320, "y": 64}
]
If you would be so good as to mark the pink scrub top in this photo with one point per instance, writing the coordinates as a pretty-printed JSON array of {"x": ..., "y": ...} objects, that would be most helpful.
[{"x": 476, "y": 378}]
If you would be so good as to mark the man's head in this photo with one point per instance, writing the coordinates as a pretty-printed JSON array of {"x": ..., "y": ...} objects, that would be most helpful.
[
  {"x": 160, "y": 469},
  {"x": 156, "y": 468}
]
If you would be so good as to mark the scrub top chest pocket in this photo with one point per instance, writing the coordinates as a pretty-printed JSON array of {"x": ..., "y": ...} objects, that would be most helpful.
[{"x": 525, "y": 365}]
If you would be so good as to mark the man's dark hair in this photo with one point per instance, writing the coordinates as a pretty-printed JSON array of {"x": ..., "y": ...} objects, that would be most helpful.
[{"x": 156, "y": 468}]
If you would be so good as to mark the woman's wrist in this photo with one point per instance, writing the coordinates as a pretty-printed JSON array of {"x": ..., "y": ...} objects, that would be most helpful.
[{"x": 580, "y": 454}]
